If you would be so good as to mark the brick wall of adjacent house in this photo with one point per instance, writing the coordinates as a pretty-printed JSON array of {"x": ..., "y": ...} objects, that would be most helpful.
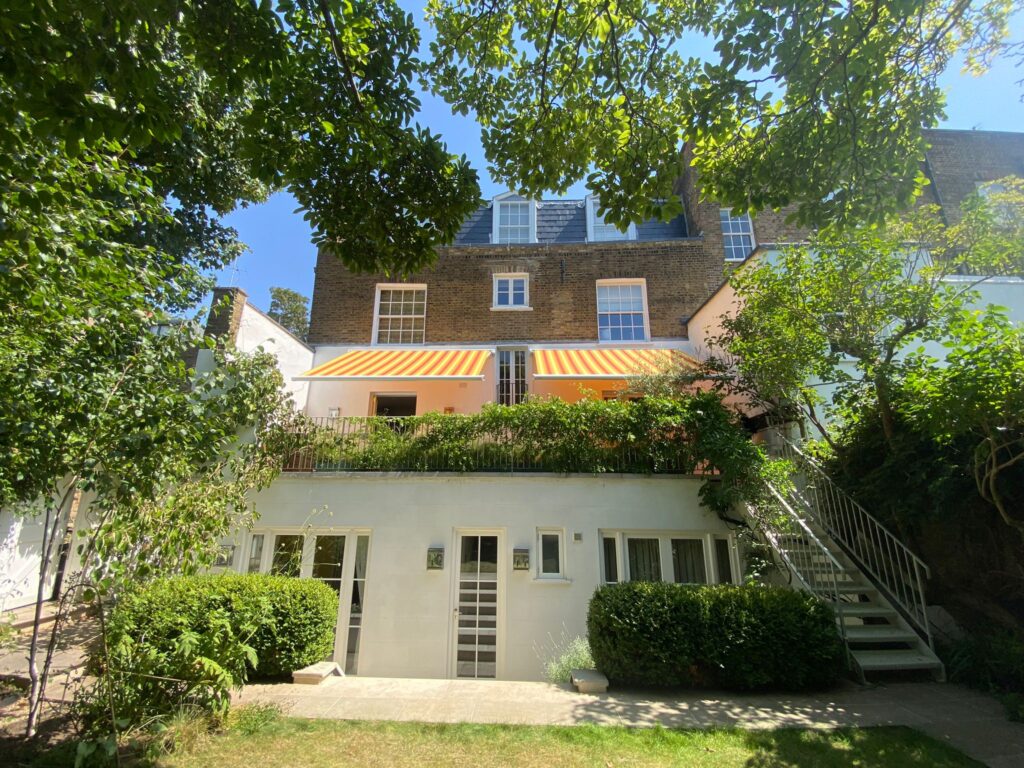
[
  {"x": 959, "y": 160},
  {"x": 225, "y": 314}
]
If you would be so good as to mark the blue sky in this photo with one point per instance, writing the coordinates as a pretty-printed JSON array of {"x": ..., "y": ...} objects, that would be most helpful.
[{"x": 280, "y": 252}]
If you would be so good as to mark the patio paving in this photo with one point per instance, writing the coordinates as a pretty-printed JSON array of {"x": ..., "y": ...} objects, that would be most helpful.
[{"x": 974, "y": 723}]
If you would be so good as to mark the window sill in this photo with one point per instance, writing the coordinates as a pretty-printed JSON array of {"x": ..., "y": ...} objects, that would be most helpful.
[
  {"x": 560, "y": 580},
  {"x": 511, "y": 309}
]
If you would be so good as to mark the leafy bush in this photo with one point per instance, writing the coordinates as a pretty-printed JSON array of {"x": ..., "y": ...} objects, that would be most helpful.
[
  {"x": 992, "y": 662},
  {"x": 567, "y": 655},
  {"x": 682, "y": 434},
  {"x": 737, "y": 637},
  {"x": 184, "y": 643}
]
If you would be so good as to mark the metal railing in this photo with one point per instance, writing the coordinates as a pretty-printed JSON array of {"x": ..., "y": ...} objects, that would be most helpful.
[
  {"x": 457, "y": 443},
  {"x": 807, "y": 558},
  {"x": 881, "y": 556}
]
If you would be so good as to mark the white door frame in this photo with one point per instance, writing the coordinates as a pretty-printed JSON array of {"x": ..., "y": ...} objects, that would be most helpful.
[{"x": 451, "y": 667}]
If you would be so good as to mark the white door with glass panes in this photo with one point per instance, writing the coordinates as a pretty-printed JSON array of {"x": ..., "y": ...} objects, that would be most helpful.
[
  {"x": 338, "y": 559},
  {"x": 477, "y": 606}
]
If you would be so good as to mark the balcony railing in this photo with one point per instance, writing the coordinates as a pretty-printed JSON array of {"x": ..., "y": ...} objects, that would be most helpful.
[{"x": 459, "y": 443}]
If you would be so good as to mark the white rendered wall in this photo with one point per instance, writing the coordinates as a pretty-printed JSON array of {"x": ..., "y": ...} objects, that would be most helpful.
[
  {"x": 21, "y": 540},
  {"x": 257, "y": 331},
  {"x": 408, "y": 611}
]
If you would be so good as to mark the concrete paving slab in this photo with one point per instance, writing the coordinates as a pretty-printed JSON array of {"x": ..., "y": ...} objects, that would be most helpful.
[{"x": 967, "y": 720}]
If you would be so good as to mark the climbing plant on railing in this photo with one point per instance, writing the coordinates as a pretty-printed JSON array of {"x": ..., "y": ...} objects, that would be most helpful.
[{"x": 682, "y": 434}]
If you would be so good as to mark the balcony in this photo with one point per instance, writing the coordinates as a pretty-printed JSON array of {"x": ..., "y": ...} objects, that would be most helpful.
[{"x": 551, "y": 436}]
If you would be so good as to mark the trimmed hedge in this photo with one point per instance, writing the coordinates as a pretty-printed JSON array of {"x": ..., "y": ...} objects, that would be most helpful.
[
  {"x": 735, "y": 637},
  {"x": 289, "y": 623}
]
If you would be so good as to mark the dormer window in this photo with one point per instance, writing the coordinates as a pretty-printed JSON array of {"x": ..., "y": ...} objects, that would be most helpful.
[
  {"x": 515, "y": 219},
  {"x": 598, "y": 231}
]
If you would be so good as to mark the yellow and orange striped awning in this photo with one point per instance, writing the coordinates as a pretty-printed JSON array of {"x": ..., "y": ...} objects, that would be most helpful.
[
  {"x": 605, "y": 363},
  {"x": 403, "y": 364}
]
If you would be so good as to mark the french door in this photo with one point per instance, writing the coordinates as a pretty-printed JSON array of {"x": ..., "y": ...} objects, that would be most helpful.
[{"x": 476, "y": 606}]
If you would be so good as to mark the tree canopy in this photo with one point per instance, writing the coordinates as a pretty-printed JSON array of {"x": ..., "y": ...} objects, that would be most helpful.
[
  {"x": 842, "y": 313},
  {"x": 223, "y": 102},
  {"x": 290, "y": 309},
  {"x": 815, "y": 104}
]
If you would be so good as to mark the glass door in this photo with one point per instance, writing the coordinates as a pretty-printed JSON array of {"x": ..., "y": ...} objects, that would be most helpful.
[{"x": 477, "y": 607}]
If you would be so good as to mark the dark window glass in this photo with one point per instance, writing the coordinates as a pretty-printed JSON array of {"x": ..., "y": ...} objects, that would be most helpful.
[
  {"x": 287, "y": 555},
  {"x": 611, "y": 563},
  {"x": 688, "y": 561},
  {"x": 644, "y": 559},
  {"x": 724, "y": 562},
  {"x": 549, "y": 554}
]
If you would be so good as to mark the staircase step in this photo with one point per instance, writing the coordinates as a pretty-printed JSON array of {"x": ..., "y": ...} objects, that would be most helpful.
[
  {"x": 863, "y": 610},
  {"x": 880, "y": 633},
  {"x": 856, "y": 589},
  {"x": 886, "y": 661}
]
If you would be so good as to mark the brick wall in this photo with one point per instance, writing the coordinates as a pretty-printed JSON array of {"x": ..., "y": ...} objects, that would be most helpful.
[
  {"x": 223, "y": 321},
  {"x": 680, "y": 274}
]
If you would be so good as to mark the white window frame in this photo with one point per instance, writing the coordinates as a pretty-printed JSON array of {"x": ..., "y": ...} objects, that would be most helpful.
[
  {"x": 593, "y": 203},
  {"x": 499, "y": 276},
  {"x": 665, "y": 552},
  {"x": 560, "y": 533},
  {"x": 753, "y": 237},
  {"x": 642, "y": 282},
  {"x": 512, "y": 197},
  {"x": 376, "y": 311}
]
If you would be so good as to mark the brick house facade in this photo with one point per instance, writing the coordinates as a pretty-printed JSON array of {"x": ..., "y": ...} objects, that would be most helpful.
[{"x": 680, "y": 274}]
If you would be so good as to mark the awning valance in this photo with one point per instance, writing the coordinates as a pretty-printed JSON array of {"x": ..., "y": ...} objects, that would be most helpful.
[
  {"x": 605, "y": 363},
  {"x": 402, "y": 364}
]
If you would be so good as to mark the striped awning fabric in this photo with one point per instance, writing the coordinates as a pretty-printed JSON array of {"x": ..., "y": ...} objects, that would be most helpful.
[
  {"x": 402, "y": 364},
  {"x": 605, "y": 363}
]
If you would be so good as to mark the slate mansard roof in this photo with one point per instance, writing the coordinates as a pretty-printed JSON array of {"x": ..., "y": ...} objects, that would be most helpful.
[{"x": 562, "y": 221}]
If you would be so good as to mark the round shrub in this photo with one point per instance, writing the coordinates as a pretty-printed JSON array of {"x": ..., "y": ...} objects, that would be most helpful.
[
  {"x": 301, "y": 632},
  {"x": 736, "y": 637},
  {"x": 287, "y": 622}
]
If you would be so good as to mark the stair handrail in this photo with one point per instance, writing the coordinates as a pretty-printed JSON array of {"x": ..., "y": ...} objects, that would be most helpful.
[
  {"x": 793, "y": 560},
  {"x": 851, "y": 526}
]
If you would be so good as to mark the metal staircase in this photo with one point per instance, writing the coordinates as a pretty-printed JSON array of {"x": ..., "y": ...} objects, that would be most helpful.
[{"x": 836, "y": 550}]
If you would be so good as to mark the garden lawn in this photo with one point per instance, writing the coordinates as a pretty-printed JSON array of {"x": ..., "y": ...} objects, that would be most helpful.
[{"x": 314, "y": 743}]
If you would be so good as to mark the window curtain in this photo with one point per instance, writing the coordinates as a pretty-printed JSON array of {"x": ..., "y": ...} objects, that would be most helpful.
[
  {"x": 644, "y": 560},
  {"x": 688, "y": 561}
]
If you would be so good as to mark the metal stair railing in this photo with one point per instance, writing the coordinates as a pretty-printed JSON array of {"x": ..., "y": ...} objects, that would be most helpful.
[
  {"x": 880, "y": 555},
  {"x": 811, "y": 563}
]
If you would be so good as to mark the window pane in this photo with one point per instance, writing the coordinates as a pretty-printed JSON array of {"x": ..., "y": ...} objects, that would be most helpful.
[
  {"x": 611, "y": 563},
  {"x": 400, "y": 316},
  {"x": 688, "y": 561},
  {"x": 644, "y": 560},
  {"x": 328, "y": 553},
  {"x": 723, "y": 561},
  {"x": 620, "y": 312},
  {"x": 255, "y": 553},
  {"x": 287, "y": 555},
  {"x": 549, "y": 553},
  {"x": 737, "y": 235}
]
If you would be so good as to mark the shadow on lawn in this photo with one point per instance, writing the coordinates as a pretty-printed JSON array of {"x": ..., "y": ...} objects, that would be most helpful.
[{"x": 886, "y": 747}]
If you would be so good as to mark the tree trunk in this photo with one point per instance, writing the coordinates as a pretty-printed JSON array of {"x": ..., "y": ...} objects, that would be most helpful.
[
  {"x": 885, "y": 410},
  {"x": 37, "y": 681}
]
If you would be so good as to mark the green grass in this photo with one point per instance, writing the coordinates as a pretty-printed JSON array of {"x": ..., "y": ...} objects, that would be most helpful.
[{"x": 321, "y": 743}]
